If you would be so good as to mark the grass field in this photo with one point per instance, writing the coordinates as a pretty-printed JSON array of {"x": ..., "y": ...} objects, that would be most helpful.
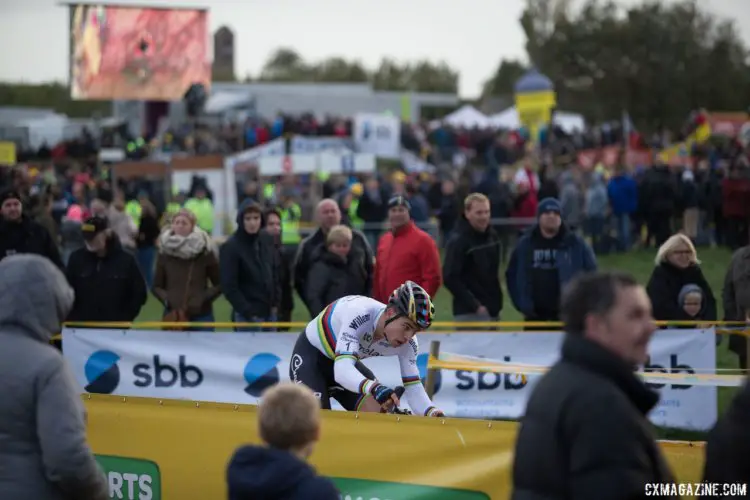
[{"x": 639, "y": 263}]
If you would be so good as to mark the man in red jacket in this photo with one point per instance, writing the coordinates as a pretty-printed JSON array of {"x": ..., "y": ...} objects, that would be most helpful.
[{"x": 405, "y": 253}]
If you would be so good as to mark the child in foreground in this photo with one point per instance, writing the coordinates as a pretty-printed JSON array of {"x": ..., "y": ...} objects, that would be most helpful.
[{"x": 289, "y": 425}]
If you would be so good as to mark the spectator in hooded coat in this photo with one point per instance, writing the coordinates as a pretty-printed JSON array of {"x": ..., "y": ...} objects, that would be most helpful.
[
  {"x": 43, "y": 449},
  {"x": 250, "y": 269}
]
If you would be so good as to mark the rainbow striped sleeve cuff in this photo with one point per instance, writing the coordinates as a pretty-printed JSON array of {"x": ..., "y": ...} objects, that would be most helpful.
[
  {"x": 407, "y": 381},
  {"x": 347, "y": 355},
  {"x": 430, "y": 411},
  {"x": 366, "y": 386}
]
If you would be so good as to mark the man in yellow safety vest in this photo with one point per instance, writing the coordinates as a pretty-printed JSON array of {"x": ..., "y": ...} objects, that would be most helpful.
[
  {"x": 203, "y": 209},
  {"x": 355, "y": 192},
  {"x": 291, "y": 213}
]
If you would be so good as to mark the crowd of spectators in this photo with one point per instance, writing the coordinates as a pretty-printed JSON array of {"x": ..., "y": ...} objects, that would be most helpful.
[{"x": 545, "y": 221}]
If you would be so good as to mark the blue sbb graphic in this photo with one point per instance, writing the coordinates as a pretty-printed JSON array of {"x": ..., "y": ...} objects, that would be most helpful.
[
  {"x": 422, "y": 366},
  {"x": 261, "y": 372},
  {"x": 102, "y": 372}
]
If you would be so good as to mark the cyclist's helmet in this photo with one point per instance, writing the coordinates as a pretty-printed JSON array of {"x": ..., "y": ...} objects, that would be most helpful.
[{"x": 412, "y": 301}]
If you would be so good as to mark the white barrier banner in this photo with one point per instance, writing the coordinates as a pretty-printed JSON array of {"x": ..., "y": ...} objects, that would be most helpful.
[
  {"x": 301, "y": 144},
  {"x": 236, "y": 368},
  {"x": 276, "y": 147},
  {"x": 377, "y": 134}
]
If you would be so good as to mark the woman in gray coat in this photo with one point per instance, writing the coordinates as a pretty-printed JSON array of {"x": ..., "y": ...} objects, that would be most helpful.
[{"x": 43, "y": 449}]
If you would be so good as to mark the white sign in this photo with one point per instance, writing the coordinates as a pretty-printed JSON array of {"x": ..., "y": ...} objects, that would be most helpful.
[
  {"x": 414, "y": 164},
  {"x": 308, "y": 163},
  {"x": 275, "y": 147},
  {"x": 377, "y": 134},
  {"x": 290, "y": 164},
  {"x": 237, "y": 367},
  {"x": 347, "y": 163},
  {"x": 301, "y": 144}
]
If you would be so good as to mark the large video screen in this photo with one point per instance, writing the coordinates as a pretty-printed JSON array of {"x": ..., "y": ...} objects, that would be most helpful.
[{"x": 137, "y": 53}]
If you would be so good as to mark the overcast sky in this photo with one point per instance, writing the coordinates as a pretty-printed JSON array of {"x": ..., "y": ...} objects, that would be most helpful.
[{"x": 470, "y": 35}]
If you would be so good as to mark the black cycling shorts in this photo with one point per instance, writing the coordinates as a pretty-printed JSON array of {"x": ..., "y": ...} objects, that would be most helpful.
[{"x": 311, "y": 367}]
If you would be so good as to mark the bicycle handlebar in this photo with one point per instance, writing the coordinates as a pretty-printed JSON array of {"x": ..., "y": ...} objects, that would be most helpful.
[{"x": 399, "y": 391}]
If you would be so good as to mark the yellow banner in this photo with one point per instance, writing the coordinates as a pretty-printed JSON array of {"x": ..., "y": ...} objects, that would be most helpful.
[
  {"x": 536, "y": 100},
  {"x": 684, "y": 149},
  {"x": 165, "y": 449},
  {"x": 7, "y": 153}
]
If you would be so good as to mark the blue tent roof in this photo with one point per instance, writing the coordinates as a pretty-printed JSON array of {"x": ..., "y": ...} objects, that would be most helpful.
[{"x": 533, "y": 81}]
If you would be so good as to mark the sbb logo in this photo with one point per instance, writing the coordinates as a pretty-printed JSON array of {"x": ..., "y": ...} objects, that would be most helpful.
[
  {"x": 485, "y": 381},
  {"x": 261, "y": 373},
  {"x": 422, "y": 360},
  {"x": 674, "y": 367},
  {"x": 166, "y": 375},
  {"x": 103, "y": 373}
]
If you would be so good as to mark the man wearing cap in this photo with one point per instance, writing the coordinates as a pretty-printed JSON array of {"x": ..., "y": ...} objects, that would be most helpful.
[
  {"x": 20, "y": 234},
  {"x": 405, "y": 253},
  {"x": 106, "y": 279},
  {"x": 546, "y": 258}
]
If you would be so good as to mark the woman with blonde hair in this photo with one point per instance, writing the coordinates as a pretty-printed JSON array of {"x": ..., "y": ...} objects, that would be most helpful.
[
  {"x": 187, "y": 271},
  {"x": 677, "y": 267}
]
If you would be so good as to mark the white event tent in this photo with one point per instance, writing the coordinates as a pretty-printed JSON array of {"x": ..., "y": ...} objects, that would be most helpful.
[
  {"x": 468, "y": 117},
  {"x": 569, "y": 122}
]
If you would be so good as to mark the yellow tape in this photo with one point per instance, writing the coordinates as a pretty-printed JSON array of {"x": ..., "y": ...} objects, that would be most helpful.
[
  {"x": 437, "y": 326},
  {"x": 710, "y": 379},
  {"x": 553, "y": 325},
  {"x": 447, "y": 458}
]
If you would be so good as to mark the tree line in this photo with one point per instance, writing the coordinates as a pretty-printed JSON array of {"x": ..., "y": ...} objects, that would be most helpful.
[
  {"x": 656, "y": 61},
  {"x": 287, "y": 65}
]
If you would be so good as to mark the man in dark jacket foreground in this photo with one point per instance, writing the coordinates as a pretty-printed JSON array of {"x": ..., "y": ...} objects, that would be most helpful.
[
  {"x": 728, "y": 447},
  {"x": 289, "y": 425},
  {"x": 585, "y": 434}
]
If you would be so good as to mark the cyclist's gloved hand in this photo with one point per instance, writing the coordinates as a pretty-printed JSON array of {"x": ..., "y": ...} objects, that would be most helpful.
[{"x": 382, "y": 393}]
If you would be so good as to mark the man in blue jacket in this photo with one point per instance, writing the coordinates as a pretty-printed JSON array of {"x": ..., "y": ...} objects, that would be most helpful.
[
  {"x": 623, "y": 198},
  {"x": 546, "y": 258}
]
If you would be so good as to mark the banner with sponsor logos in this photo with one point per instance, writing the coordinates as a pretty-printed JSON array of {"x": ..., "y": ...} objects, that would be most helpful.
[
  {"x": 238, "y": 367},
  {"x": 301, "y": 144},
  {"x": 250, "y": 157},
  {"x": 378, "y": 134},
  {"x": 148, "y": 449}
]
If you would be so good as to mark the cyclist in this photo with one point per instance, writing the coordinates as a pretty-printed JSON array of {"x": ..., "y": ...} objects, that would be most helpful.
[{"x": 327, "y": 354}]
